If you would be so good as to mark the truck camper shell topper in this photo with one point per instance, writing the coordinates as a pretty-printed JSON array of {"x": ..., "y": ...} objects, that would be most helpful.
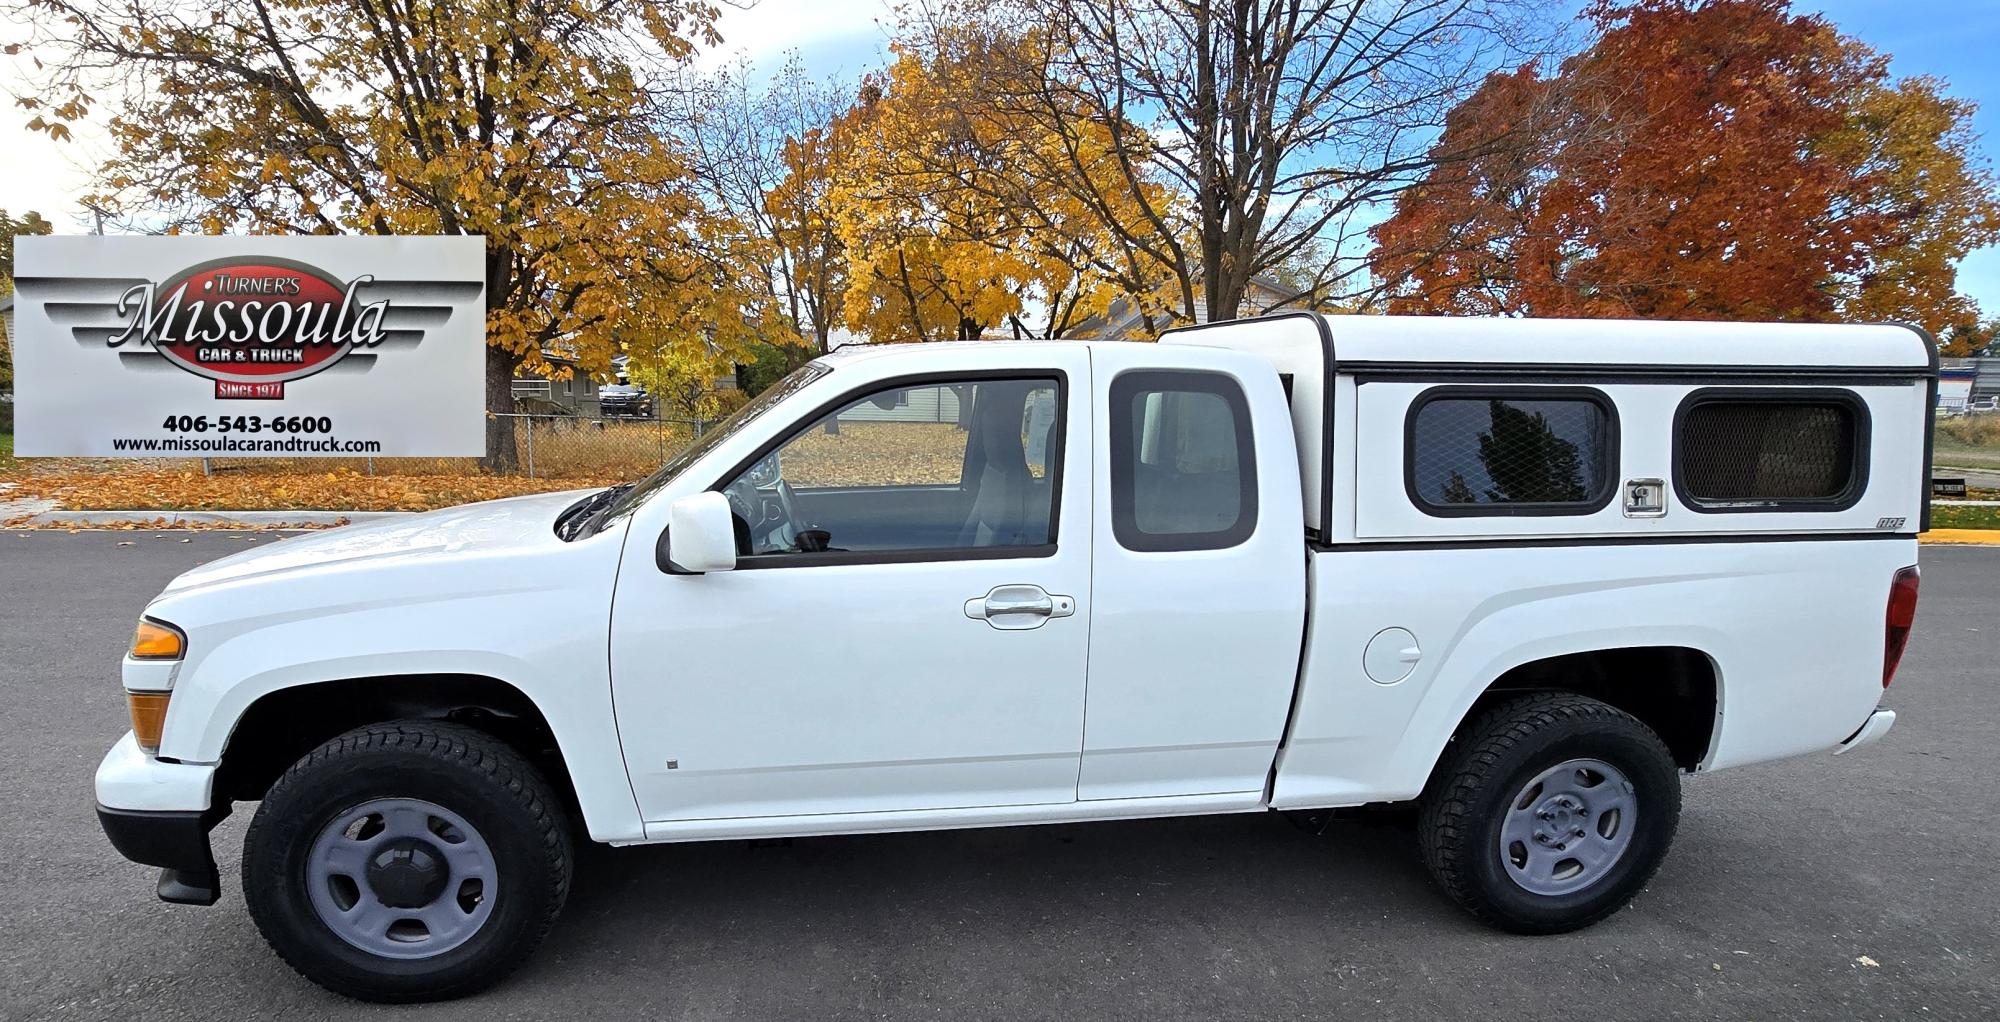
[{"x": 1314, "y": 351}]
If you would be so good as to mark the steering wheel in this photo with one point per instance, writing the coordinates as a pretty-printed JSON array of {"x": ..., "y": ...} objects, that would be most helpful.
[{"x": 767, "y": 509}]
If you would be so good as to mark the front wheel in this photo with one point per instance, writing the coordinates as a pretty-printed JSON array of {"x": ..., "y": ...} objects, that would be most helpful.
[
  {"x": 407, "y": 861},
  {"x": 1549, "y": 812}
]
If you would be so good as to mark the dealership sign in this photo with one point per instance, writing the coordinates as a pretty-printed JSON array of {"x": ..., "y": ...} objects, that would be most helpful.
[{"x": 250, "y": 346}]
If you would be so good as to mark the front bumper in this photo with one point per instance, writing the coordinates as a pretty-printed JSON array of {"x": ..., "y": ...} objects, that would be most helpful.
[
  {"x": 175, "y": 841},
  {"x": 159, "y": 814}
]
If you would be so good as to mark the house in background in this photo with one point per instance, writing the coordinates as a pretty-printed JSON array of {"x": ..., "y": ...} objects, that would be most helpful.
[
  {"x": 1962, "y": 381},
  {"x": 1122, "y": 322},
  {"x": 578, "y": 395},
  {"x": 539, "y": 394}
]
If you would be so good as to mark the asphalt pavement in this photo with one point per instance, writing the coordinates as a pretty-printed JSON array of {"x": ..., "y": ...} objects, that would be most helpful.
[{"x": 1862, "y": 887}]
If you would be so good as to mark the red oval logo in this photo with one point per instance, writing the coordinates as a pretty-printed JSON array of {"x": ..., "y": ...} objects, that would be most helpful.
[{"x": 253, "y": 320}]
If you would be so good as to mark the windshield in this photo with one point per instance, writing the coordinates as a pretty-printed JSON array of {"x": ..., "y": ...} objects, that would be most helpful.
[{"x": 744, "y": 416}]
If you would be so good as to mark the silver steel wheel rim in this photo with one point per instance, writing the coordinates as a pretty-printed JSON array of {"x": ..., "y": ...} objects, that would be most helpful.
[
  {"x": 1568, "y": 827},
  {"x": 401, "y": 878}
]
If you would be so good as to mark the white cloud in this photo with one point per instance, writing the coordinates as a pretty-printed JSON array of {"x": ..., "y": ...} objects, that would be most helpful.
[{"x": 765, "y": 30}]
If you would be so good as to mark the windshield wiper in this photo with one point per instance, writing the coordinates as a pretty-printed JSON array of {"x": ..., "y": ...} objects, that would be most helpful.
[
  {"x": 581, "y": 516},
  {"x": 592, "y": 518}
]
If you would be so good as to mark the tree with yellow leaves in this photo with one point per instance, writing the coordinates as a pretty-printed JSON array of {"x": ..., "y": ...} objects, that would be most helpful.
[
  {"x": 533, "y": 125},
  {"x": 944, "y": 236},
  {"x": 1226, "y": 142},
  {"x": 762, "y": 152}
]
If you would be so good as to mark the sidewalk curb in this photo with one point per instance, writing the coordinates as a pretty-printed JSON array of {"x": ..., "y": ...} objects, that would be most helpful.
[
  {"x": 1970, "y": 537},
  {"x": 249, "y": 519}
]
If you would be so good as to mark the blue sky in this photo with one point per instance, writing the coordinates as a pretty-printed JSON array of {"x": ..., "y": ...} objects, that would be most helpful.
[{"x": 1950, "y": 39}]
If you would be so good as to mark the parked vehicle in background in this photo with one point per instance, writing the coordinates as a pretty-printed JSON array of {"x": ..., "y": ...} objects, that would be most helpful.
[
  {"x": 624, "y": 399},
  {"x": 1523, "y": 573}
]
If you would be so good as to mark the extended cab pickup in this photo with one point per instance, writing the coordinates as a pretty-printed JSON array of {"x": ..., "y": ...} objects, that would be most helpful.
[{"x": 1524, "y": 574}]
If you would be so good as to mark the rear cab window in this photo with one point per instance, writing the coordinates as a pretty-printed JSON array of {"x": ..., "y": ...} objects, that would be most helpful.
[{"x": 1183, "y": 469}]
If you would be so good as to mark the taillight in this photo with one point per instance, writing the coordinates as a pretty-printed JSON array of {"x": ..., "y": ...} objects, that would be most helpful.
[{"x": 1902, "y": 614}]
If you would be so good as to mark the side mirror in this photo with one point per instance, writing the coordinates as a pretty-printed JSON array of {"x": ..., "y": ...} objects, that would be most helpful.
[{"x": 700, "y": 536}]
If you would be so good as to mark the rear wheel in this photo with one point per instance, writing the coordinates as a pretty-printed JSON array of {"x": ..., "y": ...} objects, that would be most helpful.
[
  {"x": 1549, "y": 812},
  {"x": 407, "y": 861}
]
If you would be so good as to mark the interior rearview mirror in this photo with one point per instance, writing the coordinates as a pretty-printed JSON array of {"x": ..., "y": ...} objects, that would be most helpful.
[{"x": 700, "y": 536}]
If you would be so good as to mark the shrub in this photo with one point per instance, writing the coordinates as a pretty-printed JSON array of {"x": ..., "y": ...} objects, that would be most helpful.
[{"x": 1969, "y": 431}]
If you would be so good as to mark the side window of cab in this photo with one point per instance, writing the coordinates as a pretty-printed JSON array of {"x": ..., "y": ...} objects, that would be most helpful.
[
  {"x": 937, "y": 469},
  {"x": 1183, "y": 468}
]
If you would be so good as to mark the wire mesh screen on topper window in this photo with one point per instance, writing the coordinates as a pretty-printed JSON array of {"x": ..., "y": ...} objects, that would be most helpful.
[
  {"x": 1765, "y": 450},
  {"x": 1501, "y": 453}
]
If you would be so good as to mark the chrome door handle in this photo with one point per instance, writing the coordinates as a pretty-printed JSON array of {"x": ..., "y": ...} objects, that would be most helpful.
[{"x": 1016, "y": 607}]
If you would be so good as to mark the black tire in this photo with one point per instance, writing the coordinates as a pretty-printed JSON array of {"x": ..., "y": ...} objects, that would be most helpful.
[
  {"x": 460, "y": 769},
  {"x": 1493, "y": 759}
]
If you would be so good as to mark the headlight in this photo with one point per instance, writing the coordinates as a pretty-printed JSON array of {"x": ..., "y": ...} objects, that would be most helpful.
[
  {"x": 152, "y": 640},
  {"x": 157, "y": 641}
]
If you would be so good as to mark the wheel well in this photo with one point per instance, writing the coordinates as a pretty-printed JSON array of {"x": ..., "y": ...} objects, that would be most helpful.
[
  {"x": 281, "y": 727},
  {"x": 1672, "y": 689}
]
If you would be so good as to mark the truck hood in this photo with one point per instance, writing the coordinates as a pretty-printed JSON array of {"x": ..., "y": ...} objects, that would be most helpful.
[{"x": 491, "y": 527}]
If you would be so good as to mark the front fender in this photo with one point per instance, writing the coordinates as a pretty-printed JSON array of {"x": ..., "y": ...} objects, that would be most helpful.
[{"x": 537, "y": 622}]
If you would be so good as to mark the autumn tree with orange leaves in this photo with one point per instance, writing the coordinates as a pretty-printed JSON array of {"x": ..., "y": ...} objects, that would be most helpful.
[{"x": 1701, "y": 160}]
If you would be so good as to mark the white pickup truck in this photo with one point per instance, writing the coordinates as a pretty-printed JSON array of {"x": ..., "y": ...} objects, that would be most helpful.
[{"x": 1522, "y": 573}]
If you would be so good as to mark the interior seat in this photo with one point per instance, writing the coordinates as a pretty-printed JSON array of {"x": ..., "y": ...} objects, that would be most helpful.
[{"x": 1005, "y": 510}]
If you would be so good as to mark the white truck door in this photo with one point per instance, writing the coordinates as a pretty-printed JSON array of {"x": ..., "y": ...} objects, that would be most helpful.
[
  {"x": 1199, "y": 573},
  {"x": 907, "y": 625}
]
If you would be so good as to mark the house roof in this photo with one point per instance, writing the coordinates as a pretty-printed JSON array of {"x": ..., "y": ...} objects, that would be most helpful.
[{"x": 1122, "y": 317}]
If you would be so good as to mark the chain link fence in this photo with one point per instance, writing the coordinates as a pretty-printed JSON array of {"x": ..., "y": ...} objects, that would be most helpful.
[
  {"x": 545, "y": 447},
  {"x": 564, "y": 446}
]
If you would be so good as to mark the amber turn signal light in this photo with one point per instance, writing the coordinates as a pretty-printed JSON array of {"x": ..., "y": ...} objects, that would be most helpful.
[
  {"x": 149, "y": 716},
  {"x": 155, "y": 641}
]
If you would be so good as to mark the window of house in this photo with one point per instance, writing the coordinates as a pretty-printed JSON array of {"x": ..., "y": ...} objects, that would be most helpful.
[
  {"x": 1183, "y": 472},
  {"x": 953, "y": 467},
  {"x": 1740, "y": 450},
  {"x": 1511, "y": 451}
]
